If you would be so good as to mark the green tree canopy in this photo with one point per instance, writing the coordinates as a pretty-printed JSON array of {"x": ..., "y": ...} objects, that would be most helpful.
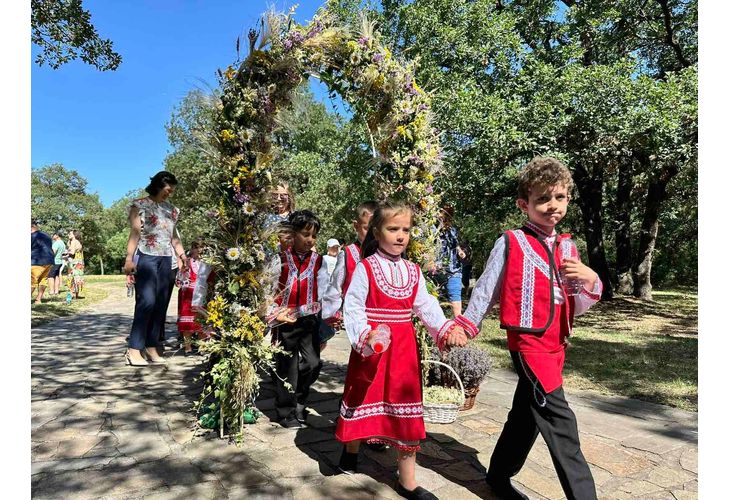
[{"x": 63, "y": 31}]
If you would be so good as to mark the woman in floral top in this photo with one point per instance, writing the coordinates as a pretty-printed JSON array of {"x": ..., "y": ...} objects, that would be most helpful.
[{"x": 153, "y": 239}]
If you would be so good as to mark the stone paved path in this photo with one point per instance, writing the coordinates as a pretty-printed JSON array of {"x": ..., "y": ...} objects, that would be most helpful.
[{"x": 101, "y": 429}]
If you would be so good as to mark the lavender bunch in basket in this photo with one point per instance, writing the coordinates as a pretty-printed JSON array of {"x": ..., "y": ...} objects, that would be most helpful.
[{"x": 470, "y": 363}]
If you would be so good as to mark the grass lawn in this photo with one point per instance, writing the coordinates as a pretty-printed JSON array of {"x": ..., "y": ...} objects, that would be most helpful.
[
  {"x": 642, "y": 350},
  {"x": 95, "y": 289}
]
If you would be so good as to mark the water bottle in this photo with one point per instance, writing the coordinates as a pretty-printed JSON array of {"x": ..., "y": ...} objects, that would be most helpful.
[
  {"x": 381, "y": 340},
  {"x": 568, "y": 249},
  {"x": 68, "y": 297}
]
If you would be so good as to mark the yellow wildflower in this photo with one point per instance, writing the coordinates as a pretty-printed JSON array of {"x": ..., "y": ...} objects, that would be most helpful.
[{"x": 230, "y": 73}]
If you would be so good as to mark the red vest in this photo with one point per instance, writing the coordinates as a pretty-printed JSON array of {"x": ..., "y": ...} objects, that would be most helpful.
[
  {"x": 298, "y": 279},
  {"x": 352, "y": 258},
  {"x": 527, "y": 302}
]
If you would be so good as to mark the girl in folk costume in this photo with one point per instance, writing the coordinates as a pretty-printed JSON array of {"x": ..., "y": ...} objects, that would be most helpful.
[
  {"x": 298, "y": 277},
  {"x": 382, "y": 400},
  {"x": 186, "y": 280}
]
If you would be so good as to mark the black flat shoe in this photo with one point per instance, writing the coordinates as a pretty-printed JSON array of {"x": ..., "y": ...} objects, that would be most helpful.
[
  {"x": 417, "y": 494},
  {"x": 348, "y": 462},
  {"x": 504, "y": 488}
]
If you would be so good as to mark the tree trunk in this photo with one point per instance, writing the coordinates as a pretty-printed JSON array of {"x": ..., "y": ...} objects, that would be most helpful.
[
  {"x": 101, "y": 265},
  {"x": 656, "y": 194},
  {"x": 590, "y": 188},
  {"x": 624, "y": 279}
]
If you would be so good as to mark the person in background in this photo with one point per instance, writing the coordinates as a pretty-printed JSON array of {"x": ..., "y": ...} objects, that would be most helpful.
[
  {"x": 41, "y": 260},
  {"x": 466, "y": 268},
  {"x": 54, "y": 275},
  {"x": 447, "y": 271},
  {"x": 333, "y": 248},
  {"x": 76, "y": 262},
  {"x": 153, "y": 239},
  {"x": 187, "y": 324}
]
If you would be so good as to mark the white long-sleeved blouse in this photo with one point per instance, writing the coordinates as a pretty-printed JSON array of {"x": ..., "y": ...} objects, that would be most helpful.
[{"x": 395, "y": 271}]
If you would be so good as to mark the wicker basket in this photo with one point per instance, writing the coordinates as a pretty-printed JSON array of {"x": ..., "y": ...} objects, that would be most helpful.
[
  {"x": 471, "y": 396},
  {"x": 442, "y": 413}
]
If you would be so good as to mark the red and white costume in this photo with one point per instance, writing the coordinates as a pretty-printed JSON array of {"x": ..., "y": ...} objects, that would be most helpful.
[
  {"x": 186, "y": 283},
  {"x": 522, "y": 273},
  {"x": 297, "y": 279},
  {"x": 347, "y": 261},
  {"x": 382, "y": 400}
]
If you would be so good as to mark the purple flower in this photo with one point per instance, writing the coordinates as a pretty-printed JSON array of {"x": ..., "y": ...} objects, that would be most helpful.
[
  {"x": 377, "y": 57},
  {"x": 212, "y": 214},
  {"x": 363, "y": 41},
  {"x": 429, "y": 189},
  {"x": 315, "y": 30},
  {"x": 240, "y": 198},
  {"x": 422, "y": 107}
]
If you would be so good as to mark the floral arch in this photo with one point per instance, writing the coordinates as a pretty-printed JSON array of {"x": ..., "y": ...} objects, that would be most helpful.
[{"x": 383, "y": 93}]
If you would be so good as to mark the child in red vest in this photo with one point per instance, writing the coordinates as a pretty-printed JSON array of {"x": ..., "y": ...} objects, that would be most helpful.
[
  {"x": 298, "y": 282},
  {"x": 525, "y": 272},
  {"x": 186, "y": 281},
  {"x": 347, "y": 259},
  {"x": 382, "y": 399}
]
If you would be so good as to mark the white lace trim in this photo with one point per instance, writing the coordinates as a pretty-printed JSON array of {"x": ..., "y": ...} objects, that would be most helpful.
[{"x": 390, "y": 289}]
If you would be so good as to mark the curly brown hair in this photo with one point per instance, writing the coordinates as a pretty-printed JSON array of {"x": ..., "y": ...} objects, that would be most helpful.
[{"x": 543, "y": 171}]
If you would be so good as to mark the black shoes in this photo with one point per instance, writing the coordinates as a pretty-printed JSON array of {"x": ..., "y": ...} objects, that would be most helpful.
[
  {"x": 504, "y": 488},
  {"x": 291, "y": 422},
  {"x": 348, "y": 462},
  {"x": 301, "y": 415},
  {"x": 417, "y": 494}
]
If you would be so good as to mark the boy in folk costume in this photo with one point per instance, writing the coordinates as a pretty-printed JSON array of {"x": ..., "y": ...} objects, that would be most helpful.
[
  {"x": 347, "y": 259},
  {"x": 525, "y": 273},
  {"x": 298, "y": 278}
]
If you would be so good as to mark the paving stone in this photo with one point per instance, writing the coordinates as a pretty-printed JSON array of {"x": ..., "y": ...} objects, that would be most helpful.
[
  {"x": 688, "y": 459},
  {"x": 435, "y": 451},
  {"x": 535, "y": 478},
  {"x": 654, "y": 444},
  {"x": 462, "y": 471},
  {"x": 684, "y": 494},
  {"x": 612, "y": 458},
  {"x": 76, "y": 448},
  {"x": 207, "y": 490},
  {"x": 484, "y": 426},
  {"x": 669, "y": 478}
]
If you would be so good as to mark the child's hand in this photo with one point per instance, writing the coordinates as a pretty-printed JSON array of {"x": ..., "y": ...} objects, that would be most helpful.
[
  {"x": 574, "y": 269},
  {"x": 284, "y": 316},
  {"x": 457, "y": 337},
  {"x": 334, "y": 322}
]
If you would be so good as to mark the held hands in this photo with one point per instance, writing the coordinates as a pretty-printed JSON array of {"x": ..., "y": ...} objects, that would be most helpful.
[
  {"x": 334, "y": 322},
  {"x": 456, "y": 337},
  {"x": 574, "y": 269}
]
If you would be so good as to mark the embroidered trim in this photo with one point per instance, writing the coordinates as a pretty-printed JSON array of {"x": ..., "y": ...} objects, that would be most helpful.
[
  {"x": 530, "y": 253},
  {"x": 469, "y": 327},
  {"x": 444, "y": 332},
  {"x": 389, "y": 289},
  {"x": 354, "y": 252},
  {"x": 528, "y": 291},
  {"x": 382, "y": 408},
  {"x": 388, "y": 315},
  {"x": 539, "y": 231}
]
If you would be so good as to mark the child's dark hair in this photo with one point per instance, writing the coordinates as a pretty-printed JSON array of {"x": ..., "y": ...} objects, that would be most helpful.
[
  {"x": 159, "y": 181},
  {"x": 302, "y": 219},
  {"x": 364, "y": 208},
  {"x": 543, "y": 171},
  {"x": 382, "y": 213}
]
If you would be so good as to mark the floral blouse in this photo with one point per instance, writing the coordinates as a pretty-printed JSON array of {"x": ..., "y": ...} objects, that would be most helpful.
[{"x": 158, "y": 225}]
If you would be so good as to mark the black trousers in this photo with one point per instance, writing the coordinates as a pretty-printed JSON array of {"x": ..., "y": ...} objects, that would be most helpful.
[
  {"x": 534, "y": 411},
  {"x": 300, "y": 369}
]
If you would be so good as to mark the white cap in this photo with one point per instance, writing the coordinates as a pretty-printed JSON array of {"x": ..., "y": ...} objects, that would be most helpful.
[{"x": 332, "y": 243}]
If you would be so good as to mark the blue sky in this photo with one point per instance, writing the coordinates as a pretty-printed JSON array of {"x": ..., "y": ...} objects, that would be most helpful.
[{"x": 110, "y": 126}]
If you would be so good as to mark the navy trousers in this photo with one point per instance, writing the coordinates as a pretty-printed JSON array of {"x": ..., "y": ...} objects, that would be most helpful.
[{"x": 151, "y": 299}]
